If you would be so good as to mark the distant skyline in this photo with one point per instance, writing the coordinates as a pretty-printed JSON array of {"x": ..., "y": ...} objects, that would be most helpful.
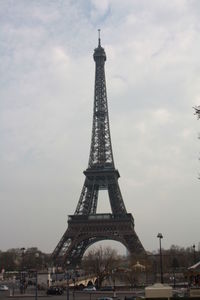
[{"x": 46, "y": 91}]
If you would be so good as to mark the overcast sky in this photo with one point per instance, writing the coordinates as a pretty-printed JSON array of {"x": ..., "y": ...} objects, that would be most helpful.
[{"x": 46, "y": 103}]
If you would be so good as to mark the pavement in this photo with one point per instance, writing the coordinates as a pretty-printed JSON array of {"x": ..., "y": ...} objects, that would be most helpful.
[
  {"x": 42, "y": 295},
  {"x": 78, "y": 295},
  {"x": 18, "y": 295}
]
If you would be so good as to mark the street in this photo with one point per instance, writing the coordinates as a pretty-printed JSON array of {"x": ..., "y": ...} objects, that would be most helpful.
[{"x": 72, "y": 296}]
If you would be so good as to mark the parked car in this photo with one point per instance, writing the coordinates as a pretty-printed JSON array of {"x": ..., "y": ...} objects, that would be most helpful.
[
  {"x": 107, "y": 288},
  {"x": 54, "y": 290},
  {"x": 3, "y": 287},
  {"x": 130, "y": 297},
  {"x": 105, "y": 298},
  {"x": 89, "y": 289},
  {"x": 180, "y": 293}
]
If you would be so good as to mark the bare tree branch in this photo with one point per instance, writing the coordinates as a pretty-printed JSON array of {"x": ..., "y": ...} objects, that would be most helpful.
[
  {"x": 101, "y": 262},
  {"x": 197, "y": 111}
]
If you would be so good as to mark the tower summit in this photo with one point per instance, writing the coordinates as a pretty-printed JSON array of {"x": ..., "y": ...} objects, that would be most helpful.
[
  {"x": 99, "y": 32},
  {"x": 86, "y": 227}
]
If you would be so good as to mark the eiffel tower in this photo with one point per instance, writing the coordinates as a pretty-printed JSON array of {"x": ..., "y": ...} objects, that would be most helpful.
[{"x": 86, "y": 227}]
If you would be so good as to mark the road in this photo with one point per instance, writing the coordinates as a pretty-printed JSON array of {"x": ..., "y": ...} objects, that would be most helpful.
[{"x": 76, "y": 296}]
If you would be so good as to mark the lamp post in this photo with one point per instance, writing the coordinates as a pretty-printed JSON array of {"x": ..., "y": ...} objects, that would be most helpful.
[
  {"x": 114, "y": 287},
  {"x": 74, "y": 282},
  {"x": 67, "y": 276},
  {"x": 22, "y": 275},
  {"x": 36, "y": 285},
  {"x": 194, "y": 253},
  {"x": 36, "y": 277},
  {"x": 160, "y": 236}
]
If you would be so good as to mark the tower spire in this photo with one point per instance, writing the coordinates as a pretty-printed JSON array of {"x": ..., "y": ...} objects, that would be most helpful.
[{"x": 99, "y": 37}]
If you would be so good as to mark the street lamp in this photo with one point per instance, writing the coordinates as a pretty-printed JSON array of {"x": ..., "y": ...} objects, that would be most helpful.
[
  {"x": 114, "y": 287},
  {"x": 36, "y": 277},
  {"x": 67, "y": 276},
  {"x": 160, "y": 236},
  {"x": 22, "y": 274},
  {"x": 193, "y": 246}
]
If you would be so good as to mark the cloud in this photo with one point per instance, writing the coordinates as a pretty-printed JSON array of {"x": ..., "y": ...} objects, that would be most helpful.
[
  {"x": 99, "y": 10},
  {"x": 161, "y": 116}
]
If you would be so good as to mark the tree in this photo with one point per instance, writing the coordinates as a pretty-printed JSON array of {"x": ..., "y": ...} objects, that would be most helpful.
[
  {"x": 136, "y": 269},
  {"x": 197, "y": 111},
  {"x": 101, "y": 263},
  {"x": 7, "y": 261},
  {"x": 31, "y": 258}
]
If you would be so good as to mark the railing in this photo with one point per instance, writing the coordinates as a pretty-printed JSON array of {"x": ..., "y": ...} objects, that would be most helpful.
[{"x": 97, "y": 217}]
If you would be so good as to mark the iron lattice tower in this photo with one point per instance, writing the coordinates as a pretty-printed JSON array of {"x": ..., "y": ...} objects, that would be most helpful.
[{"x": 86, "y": 227}]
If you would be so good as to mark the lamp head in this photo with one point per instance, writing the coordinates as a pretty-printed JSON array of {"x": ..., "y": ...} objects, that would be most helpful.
[{"x": 160, "y": 236}]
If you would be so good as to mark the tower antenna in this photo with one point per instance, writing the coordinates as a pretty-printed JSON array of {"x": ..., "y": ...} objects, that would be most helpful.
[{"x": 99, "y": 31}]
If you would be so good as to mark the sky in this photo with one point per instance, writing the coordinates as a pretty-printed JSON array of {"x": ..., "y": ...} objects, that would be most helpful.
[{"x": 46, "y": 103}]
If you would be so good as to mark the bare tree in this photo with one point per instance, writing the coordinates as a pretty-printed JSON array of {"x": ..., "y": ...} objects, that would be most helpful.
[
  {"x": 101, "y": 263},
  {"x": 197, "y": 111},
  {"x": 12, "y": 259},
  {"x": 7, "y": 261}
]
